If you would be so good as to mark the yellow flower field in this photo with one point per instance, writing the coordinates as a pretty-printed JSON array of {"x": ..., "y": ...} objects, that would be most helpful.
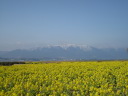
[{"x": 106, "y": 78}]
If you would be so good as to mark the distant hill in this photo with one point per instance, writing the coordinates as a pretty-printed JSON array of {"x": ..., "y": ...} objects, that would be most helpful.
[{"x": 69, "y": 52}]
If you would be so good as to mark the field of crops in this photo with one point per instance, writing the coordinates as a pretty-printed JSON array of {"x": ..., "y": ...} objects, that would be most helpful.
[{"x": 107, "y": 78}]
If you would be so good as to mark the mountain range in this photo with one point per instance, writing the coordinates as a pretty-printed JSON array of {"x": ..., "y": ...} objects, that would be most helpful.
[{"x": 65, "y": 52}]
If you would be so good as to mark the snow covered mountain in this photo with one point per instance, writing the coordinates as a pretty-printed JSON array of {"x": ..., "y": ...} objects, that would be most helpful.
[{"x": 67, "y": 52}]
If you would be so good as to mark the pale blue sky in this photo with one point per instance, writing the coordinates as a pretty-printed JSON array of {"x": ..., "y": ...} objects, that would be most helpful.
[{"x": 33, "y": 23}]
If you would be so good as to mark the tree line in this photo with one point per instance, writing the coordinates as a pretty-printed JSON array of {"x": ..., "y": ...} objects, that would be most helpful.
[{"x": 10, "y": 63}]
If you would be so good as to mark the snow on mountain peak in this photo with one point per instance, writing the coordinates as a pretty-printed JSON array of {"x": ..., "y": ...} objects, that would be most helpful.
[{"x": 66, "y": 46}]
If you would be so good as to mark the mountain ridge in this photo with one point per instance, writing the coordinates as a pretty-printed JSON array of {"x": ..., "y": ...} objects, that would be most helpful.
[{"x": 67, "y": 52}]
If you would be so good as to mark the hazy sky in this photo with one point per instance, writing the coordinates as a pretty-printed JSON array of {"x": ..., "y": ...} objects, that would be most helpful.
[{"x": 33, "y": 23}]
